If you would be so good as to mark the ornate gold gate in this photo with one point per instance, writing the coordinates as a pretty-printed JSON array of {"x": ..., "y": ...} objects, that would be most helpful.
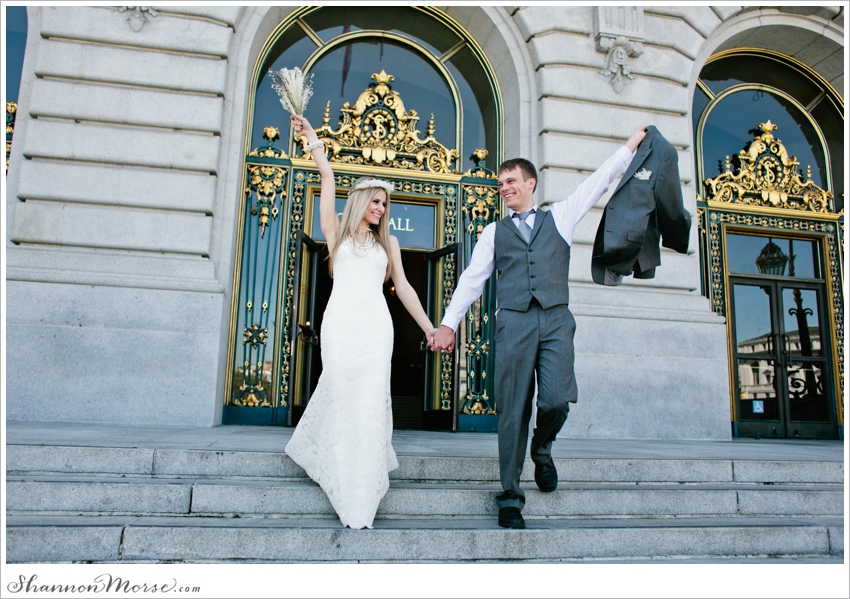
[{"x": 271, "y": 332}]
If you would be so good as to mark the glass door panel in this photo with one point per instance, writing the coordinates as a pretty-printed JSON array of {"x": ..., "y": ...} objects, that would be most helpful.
[
  {"x": 759, "y": 384},
  {"x": 801, "y": 323},
  {"x": 805, "y": 358},
  {"x": 806, "y": 398},
  {"x": 757, "y": 392},
  {"x": 782, "y": 380}
]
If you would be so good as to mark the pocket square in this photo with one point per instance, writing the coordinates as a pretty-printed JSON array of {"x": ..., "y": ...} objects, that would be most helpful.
[{"x": 643, "y": 174}]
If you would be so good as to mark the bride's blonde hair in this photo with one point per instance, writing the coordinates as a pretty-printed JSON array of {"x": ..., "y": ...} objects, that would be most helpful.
[{"x": 358, "y": 202}]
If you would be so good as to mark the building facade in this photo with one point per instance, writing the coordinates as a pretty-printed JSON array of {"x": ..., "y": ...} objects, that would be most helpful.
[{"x": 163, "y": 266}]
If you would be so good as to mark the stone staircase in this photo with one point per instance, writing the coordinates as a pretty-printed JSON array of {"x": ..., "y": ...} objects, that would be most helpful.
[{"x": 159, "y": 504}]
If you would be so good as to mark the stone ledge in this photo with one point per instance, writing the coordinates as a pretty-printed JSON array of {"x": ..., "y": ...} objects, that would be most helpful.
[
  {"x": 113, "y": 144},
  {"x": 113, "y": 460},
  {"x": 165, "y": 32},
  {"x": 105, "y": 103},
  {"x": 88, "y": 183},
  {"x": 569, "y": 49},
  {"x": 130, "y": 66},
  {"x": 54, "y": 223},
  {"x": 81, "y": 538},
  {"x": 589, "y": 86},
  {"x": 580, "y": 118},
  {"x": 112, "y": 266}
]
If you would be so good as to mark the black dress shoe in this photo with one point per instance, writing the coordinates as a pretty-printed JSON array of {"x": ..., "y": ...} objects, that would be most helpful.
[
  {"x": 546, "y": 476},
  {"x": 511, "y": 517}
]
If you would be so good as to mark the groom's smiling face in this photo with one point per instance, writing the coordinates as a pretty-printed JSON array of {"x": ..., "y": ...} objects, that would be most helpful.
[{"x": 516, "y": 191}]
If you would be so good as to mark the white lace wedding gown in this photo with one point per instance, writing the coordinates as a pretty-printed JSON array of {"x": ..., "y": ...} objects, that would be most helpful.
[{"x": 343, "y": 440}]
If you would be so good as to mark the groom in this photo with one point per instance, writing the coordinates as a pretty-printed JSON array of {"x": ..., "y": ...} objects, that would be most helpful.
[{"x": 530, "y": 249}]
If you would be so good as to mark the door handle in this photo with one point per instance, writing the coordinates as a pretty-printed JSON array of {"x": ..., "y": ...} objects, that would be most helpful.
[
  {"x": 786, "y": 349},
  {"x": 308, "y": 334}
]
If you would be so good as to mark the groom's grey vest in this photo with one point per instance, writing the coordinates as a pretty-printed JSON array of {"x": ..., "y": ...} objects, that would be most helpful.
[{"x": 540, "y": 269}]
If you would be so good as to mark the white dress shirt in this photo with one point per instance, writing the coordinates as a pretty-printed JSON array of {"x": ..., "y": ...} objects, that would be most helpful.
[{"x": 567, "y": 215}]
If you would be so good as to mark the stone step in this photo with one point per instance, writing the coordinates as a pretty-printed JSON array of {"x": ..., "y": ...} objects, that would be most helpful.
[
  {"x": 33, "y": 459},
  {"x": 71, "y": 494},
  {"x": 198, "y": 539}
]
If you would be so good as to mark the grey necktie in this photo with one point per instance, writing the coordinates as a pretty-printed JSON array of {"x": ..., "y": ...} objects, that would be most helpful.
[{"x": 523, "y": 224}]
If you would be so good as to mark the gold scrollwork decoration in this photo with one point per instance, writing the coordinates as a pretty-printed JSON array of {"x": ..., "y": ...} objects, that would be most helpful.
[
  {"x": 480, "y": 207},
  {"x": 767, "y": 176},
  {"x": 255, "y": 335},
  {"x": 379, "y": 130},
  {"x": 270, "y": 134},
  {"x": 266, "y": 182},
  {"x": 480, "y": 171},
  {"x": 296, "y": 224},
  {"x": 11, "y": 110}
]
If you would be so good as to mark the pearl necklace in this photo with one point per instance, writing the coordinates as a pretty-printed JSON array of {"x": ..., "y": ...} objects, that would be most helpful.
[{"x": 362, "y": 248}]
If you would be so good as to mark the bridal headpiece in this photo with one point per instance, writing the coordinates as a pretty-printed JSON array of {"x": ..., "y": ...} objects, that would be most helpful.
[{"x": 369, "y": 183}]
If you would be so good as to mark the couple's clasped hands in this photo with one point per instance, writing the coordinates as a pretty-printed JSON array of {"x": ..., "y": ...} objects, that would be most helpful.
[{"x": 441, "y": 339}]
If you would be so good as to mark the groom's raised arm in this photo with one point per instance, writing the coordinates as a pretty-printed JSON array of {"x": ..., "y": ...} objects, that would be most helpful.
[{"x": 469, "y": 287}]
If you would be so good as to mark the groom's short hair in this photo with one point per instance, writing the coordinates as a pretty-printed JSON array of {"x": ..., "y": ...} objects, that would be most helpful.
[{"x": 528, "y": 170}]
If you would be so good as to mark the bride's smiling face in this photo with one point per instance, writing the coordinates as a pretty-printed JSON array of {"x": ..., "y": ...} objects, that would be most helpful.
[{"x": 376, "y": 209}]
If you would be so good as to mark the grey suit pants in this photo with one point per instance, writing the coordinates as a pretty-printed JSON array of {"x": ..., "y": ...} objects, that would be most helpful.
[{"x": 536, "y": 341}]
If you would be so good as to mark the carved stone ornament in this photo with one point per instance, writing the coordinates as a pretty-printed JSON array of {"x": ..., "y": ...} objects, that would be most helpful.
[
  {"x": 137, "y": 19},
  {"x": 378, "y": 130},
  {"x": 618, "y": 31},
  {"x": 767, "y": 176}
]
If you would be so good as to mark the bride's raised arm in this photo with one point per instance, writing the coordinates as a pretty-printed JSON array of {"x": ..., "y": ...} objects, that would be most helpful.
[{"x": 328, "y": 218}]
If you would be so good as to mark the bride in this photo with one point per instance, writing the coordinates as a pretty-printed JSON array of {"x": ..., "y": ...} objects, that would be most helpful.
[{"x": 343, "y": 440}]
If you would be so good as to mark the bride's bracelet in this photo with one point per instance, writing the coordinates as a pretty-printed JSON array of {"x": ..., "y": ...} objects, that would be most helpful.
[{"x": 314, "y": 146}]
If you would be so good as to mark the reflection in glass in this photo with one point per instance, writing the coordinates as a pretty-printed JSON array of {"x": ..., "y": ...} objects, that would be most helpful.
[
  {"x": 344, "y": 72},
  {"x": 829, "y": 118},
  {"x": 801, "y": 321},
  {"x": 756, "y": 390},
  {"x": 331, "y": 22},
  {"x": 806, "y": 392},
  {"x": 726, "y": 72},
  {"x": 16, "y": 42},
  {"x": 292, "y": 49},
  {"x": 744, "y": 251},
  {"x": 730, "y": 125},
  {"x": 753, "y": 328},
  {"x": 479, "y": 127}
]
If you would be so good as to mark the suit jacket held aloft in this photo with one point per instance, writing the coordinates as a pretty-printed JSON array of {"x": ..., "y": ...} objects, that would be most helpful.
[{"x": 646, "y": 207}]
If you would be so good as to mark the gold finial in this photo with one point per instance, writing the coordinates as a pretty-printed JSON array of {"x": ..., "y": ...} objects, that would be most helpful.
[
  {"x": 382, "y": 80},
  {"x": 767, "y": 130},
  {"x": 326, "y": 118},
  {"x": 431, "y": 126},
  {"x": 271, "y": 133},
  {"x": 481, "y": 154},
  {"x": 11, "y": 107}
]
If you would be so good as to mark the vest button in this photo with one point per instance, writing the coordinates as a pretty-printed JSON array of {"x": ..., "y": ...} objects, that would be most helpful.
[
  {"x": 532, "y": 262},
  {"x": 534, "y": 288},
  {"x": 533, "y": 276}
]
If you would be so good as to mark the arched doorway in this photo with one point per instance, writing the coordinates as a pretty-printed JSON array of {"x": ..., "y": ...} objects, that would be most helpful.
[
  {"x": 444, "y": 137},
  {"x": 769, "y": 138}
]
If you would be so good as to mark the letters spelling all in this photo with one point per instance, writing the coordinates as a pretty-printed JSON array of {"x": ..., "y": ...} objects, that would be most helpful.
[{"x": 395, "y": 224}]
